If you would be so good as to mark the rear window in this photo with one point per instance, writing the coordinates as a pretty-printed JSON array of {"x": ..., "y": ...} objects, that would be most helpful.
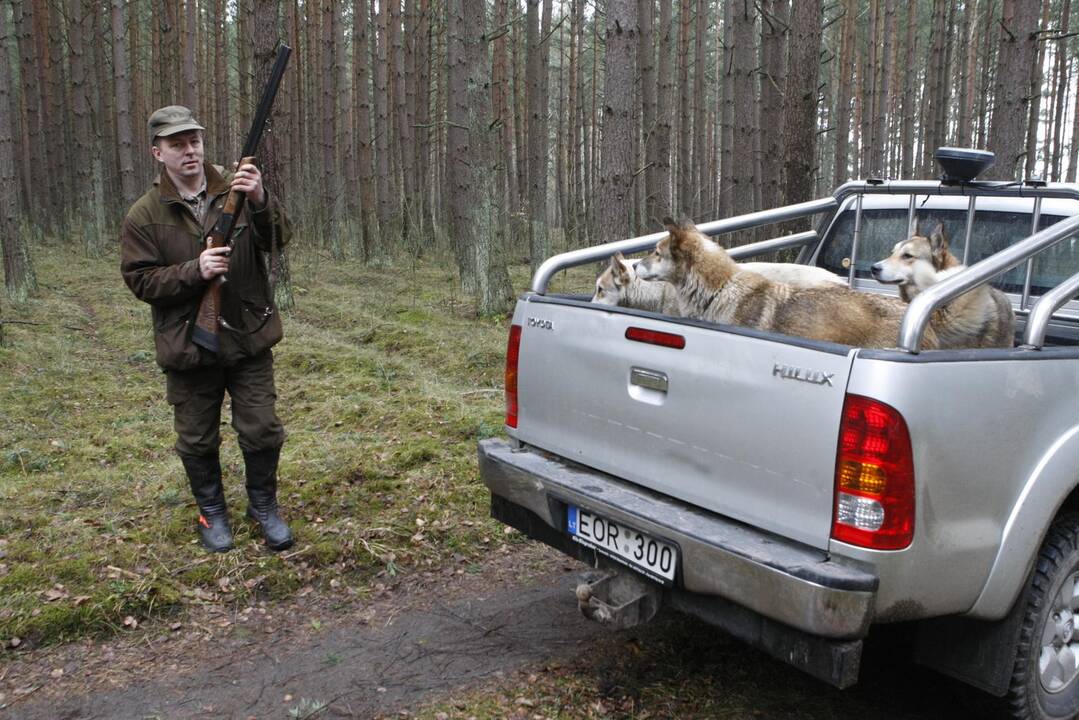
[{"x": 993, "y": 231}]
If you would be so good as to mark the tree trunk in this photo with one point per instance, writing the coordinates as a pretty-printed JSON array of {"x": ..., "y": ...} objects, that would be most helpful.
[
  {"x": 539, "y": 244},
  {"x": 519, "y": 104},
  {"x": 1063, "y": 75},
  {"x": 501, "y": 94},
  {"x": 361, "y": 93},
  {"x": 664, "y": 116},
  {"x": 986, "y": 85},
  {"x": 387, "y": 222},
  {"x": 843, "y": 92},
  {"x": 614, "y": 210},
  {"x": 421, "y": 162},
  {"x": 1073, "y": 151},
  {"x": 475, "y": 211},
  {"x": 683, "y": 200},
  {"x": 965, "y": 130},
  {"x": 884, "y": 92},
  {"x": 726, "y": 185},
  {"x": 1036, "y": 84},
  {"x": 128, "y": 189},
  {"x": 18, "y": 270},
  {"x": 33, "y": 174},
  {"x": 800, "y": 134},
  {"x": 646, "y": 62},
  {"x": 775, "y": 18},
  {"x": 699, "y": 158},
  {"x": 1019, "y": 22},
  {"x": 744, "y": 71},
  {"x": 910, "y": 106},
  {"x": 189, "y": 77}
]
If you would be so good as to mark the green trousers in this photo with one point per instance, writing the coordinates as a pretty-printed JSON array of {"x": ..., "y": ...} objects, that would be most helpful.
[{"x": 197, "y": 395}]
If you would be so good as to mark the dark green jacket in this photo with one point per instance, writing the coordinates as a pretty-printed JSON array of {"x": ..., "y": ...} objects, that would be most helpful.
[{"x": 160, "y": 242}]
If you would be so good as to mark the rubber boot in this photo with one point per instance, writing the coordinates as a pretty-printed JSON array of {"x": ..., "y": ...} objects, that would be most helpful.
[
  {"x": 204, "y": 473},
  {"x": 261, "y": 469}
]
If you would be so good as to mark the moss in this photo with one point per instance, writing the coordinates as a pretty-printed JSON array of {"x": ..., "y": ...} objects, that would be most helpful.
[{"x": 377, "y": 381}]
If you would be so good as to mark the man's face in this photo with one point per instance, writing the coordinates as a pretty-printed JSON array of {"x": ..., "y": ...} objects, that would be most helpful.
[{"x": 181, "y": 154}]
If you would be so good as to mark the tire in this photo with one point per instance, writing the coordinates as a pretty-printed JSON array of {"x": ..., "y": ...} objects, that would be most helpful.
[{"x": 1045, "y": 680}]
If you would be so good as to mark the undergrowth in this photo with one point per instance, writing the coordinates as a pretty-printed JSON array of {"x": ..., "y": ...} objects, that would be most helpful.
[{"x": 386, "y": 379}]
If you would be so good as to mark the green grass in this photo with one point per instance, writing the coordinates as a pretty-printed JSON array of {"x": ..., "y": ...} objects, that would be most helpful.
[{"x": 386, "y": 379}]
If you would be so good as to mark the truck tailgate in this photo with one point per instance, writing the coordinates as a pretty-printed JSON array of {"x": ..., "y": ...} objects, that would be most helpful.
[{"x": 737, "y": 422}]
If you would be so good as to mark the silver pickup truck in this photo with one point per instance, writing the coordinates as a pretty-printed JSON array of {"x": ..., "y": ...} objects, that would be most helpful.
[{"x": 795, "y": 492}]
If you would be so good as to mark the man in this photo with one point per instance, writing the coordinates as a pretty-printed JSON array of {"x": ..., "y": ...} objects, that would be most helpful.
[{"x": 166, "y": 263}]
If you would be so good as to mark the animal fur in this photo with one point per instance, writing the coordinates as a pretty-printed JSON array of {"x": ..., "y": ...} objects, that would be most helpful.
[
  {"x": 982, "y": 317},
  {"x": 711, "y": 286},
  {"x": 618, "y": 285}
]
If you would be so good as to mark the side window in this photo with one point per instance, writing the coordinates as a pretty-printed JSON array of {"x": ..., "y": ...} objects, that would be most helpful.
[{"x": 992, "y": 232}]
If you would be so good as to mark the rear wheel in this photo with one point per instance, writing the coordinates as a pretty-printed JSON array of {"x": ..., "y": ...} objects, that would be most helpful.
[{"x": 1045, "y": 682}]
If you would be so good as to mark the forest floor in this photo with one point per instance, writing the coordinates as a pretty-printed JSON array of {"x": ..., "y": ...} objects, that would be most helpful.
[{"x": 401, "y": 597}]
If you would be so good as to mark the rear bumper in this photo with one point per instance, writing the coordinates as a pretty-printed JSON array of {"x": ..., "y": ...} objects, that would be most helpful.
[{"x": 787, "y": 582}]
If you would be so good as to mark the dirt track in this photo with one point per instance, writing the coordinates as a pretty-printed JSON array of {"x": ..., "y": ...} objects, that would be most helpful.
[
  {"x": 363, "y": 660},
  {"x": 431, "y": 635}
]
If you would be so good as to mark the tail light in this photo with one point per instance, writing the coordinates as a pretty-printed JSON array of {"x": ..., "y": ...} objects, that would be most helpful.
[
  {"x": 513, "y": 354},
  {"x": 874, "y": 477}
]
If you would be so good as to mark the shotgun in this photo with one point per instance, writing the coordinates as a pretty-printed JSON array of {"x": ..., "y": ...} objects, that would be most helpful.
[{"x": 209, "y": 320}]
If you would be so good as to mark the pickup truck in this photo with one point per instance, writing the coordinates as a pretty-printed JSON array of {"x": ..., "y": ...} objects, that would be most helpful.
[{"x": 795, "y": 492}]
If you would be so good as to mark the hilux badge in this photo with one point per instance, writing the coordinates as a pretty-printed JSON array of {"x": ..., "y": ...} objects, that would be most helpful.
[
  {"x": 540, "y": 323},
  {"x": 815, "y": 377}
]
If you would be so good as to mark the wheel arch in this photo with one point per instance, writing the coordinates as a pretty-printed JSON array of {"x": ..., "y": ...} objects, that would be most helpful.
[{"x": 1050, "y": 490}]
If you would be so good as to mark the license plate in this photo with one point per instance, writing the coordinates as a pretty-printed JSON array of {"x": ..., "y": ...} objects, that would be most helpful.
[{"x": 638, "y": 550}]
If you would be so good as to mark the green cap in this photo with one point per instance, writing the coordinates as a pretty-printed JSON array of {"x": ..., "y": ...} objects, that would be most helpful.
[{"x": 171, "y": 120}]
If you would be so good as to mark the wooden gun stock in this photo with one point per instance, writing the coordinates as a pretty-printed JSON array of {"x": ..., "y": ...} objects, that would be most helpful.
[{"x": 208, "y": 320}]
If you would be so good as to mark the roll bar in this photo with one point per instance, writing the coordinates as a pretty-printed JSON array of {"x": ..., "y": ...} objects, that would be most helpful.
[{"x": 917, "y": 316}]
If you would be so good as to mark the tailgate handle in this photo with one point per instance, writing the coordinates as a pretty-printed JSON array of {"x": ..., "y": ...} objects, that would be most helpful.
[{"x": 651, "y": 379}]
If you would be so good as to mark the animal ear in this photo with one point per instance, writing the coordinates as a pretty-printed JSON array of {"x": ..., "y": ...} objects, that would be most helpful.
[
  {"x": 618, "y": 269},
  {"x": 681, "y": 232},
  {"x": 938, "y": 242}
]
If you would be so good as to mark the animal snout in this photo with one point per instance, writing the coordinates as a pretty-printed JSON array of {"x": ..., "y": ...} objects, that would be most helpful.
[{"x": 877, "y": 269}]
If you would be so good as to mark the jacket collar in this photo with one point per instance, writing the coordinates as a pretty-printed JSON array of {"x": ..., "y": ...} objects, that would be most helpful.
[{"x": 215, "y": 183}]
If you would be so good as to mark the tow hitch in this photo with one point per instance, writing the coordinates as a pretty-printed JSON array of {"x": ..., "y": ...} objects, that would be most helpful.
[{"x": 619, "y": 600}]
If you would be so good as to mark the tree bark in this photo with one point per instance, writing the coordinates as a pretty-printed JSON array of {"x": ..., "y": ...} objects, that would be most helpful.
[
  {"x": 699, "y": 158},
  {"x": 1063, "y": 76},
  {"x": 664, "y": 116},
  {"x": 539, "y": 244},
  {"x": 361, "y": 93},
  {"x": 745, "y": 129},
  {"x": 646, "y": 62},
  {"x": 800, "y": 134},
  {"x": 843, "y": 94},
  {"x": 614, "y": 210},
  {"x": 1036, "y": 84},
  {"x": 683, "y": 200},
  {"x": 476, "y": 213},
  {"x": 909, "y": 104},
  {"x": 1011, "y": 110},
  {"x": 965, "y": 129},
  {"x": 387, "y": 221},
  {"x": 775, "y": 19},
  {"x": 18, "y": 270},
  {"x": 189, "y": 77},
  {"x": 124, "y": 144}
]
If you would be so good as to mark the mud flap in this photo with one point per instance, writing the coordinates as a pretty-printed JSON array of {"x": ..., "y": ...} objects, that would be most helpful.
[{"x": 619, "y": 600}]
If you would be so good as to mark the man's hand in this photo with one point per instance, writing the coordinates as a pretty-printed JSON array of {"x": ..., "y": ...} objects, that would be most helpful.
[
  {"x": 214, "y": 262},
  {"x": 248, "y": 180}
]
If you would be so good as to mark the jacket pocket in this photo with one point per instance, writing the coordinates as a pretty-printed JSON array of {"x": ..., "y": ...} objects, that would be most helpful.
[{"x": 172, "y": 343}]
